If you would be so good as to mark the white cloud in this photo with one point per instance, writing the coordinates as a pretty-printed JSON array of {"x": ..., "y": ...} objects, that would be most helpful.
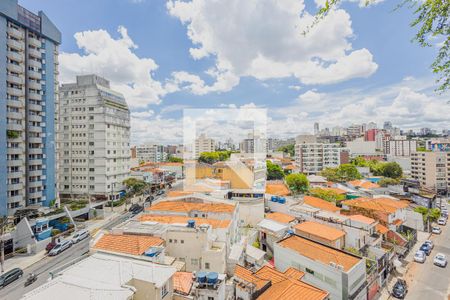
[
  {"x": 142, "y": 114},
  {"x": 115, "y": 60},
  {"x": 224, "y": 82},
  {"x": 263, "y": 39}
]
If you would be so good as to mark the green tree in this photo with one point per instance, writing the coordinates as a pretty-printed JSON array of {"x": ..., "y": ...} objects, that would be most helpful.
[
  {"x": 134, "y": 184},
  {"x": 213, "y": 157},
  {"x": 344, "y": 172},
  {"x": 327, "y": 195},
  {"x": 297, "y": 183},
  {"x": 290, "y": 149},
  {"x": 431, "y": 214},
  {"x": 391, "y": 170},
  {"x": 274, "y": 171},
  {"x": 359, "y": 161},
  {"x": 174, "y": 159},
  {"x": 432, "y": 20},
  {"x": 388, "y": 181}
]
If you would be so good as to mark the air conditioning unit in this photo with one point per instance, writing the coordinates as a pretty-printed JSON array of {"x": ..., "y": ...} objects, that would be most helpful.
[
  {"x": 333, "y": 264},
  {"x": 340, "y": 267}
]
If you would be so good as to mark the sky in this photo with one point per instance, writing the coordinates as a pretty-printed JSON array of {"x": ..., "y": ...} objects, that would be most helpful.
[{"x": 357, "y": 65}]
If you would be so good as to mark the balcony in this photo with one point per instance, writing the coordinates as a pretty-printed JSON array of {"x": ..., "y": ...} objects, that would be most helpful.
[
  {"x": 15, "y": 103},
  {"x": 35, "y": 173},
  {"x": 15, "y": 79},
  {"x": 16, "y": 186},
  {"x": 17, "y": 174},
  {"x": 14, "y": 115},
  {"x": 16, "y": 127},
  {"x": 34, "y": 75},
  {"x": 16, "y": 33},
  {"x": 15, "y": 68},
  {"x": 18, "y": 150},
  {"x": 37, "y": 140},
  {"x": 35, "y": 162},
  {"x": 15, "y": 163},
  {"x": 34, "y": 85},
  {"x": 16, "y": 56},
  {"x": 34, "y": 42},
  {"x": 17, "y": 198},
  {"x": 16, "y": 44},
  {"x": 15, "y": 92},
  {"x": 34, "y": 107},
  {"x": 35, "y": 96},
  {"x": 34, "y": 129},
  {"x": 35, "y": 118},
  {"x": 34, "y": 53}
]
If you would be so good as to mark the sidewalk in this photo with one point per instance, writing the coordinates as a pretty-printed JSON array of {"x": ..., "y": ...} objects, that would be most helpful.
[{"x": 23, "y": 261}]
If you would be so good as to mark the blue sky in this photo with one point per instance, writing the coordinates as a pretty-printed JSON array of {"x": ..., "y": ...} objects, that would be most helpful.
[{"x": 358, "y": 65}]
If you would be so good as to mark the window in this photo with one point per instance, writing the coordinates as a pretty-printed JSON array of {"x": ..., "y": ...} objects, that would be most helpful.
[
  {"x": 182, "y": 241},
  {"x": 309, "y": 271},
  {"x": 164, "y": 291},
  {"x": 170, "y": 240},
  {"x": 194, "y": 261},
  {"x": 210, "y": 298},
  {"x": 206, "y": 266}
]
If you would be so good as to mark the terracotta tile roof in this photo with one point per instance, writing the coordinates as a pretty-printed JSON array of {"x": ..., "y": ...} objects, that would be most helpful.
[
  {"x": 183, "y": 206},
  {"x": 364, "y": 184},
  {"x": 289, "y": 167},
  {"x": 320, "y": 230},
  {"x": 174, "y": 164},
  {"x": 182, "y": 282},
  {"x": 336, "y": 190},
  {"x": 285, "y": 287},
  {"x": 127, "y": 243},
  {"x": 318, "y": 252},
  {"x": 294, "y": 273},
  {"x": 248, "y": 276},
  {"x": 279, "y": 189},
  {"x": 397, "y": 222},
  {"x": 171, "y": 219},
  {"x": 362, "y": 219},
  {"x": 320, "y": 203},
  {"x": 179, "y": 193},
  {"x": 378, "y": 204},
  {"x": 280, "y": 217},
  {"x": 381, "y": 229}
]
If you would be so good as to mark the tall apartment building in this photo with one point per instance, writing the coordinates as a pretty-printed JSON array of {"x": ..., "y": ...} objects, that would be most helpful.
[
  {"x": 254, "y": 143},
  {"x": 400, "y": 147},
  {"x": 151, "y": 153},
  {"x": 432, "y": 170},
  {"x": 29, "y": 92},
  {"x": 203, "y": 144},
  {"x": 94, "y": 139},
  {"x": 312, "y": 157}
]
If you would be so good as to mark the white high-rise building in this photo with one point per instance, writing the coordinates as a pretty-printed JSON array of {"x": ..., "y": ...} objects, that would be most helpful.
[
  {"x": 400, "y": 146},
  {"x": 203, "y": 144},
  {"x": 28, "y": 108},
  {"x": 254, "y": 143},
  {"x": 94, "y": 141},
  {"x": 151, "y": 153}
]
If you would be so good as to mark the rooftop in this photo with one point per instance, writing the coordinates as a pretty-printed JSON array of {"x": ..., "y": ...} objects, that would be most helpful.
[
  {"x": 278, "y": 189},
  {"x": 381, "y": 229},
  {"x": 171, "y": 219},
  {"x": 272, "y": 225},
  {"x": 336, "y": 190},
  {"x": 248, "y": 276},
  {"x": 320, "y": 203},
  {"x": 378, "y": 204},
  {"x": 362, "y": 219},
  {"x": 183, "y": 206},
  {"x": 365, "y": 184},
  {"x": 323, "y": 231},
  {"x": 319, "y": 252},
  {"x": 182, "y": 282},
  {"x": 127, "y": 243},
  {"x": 280, "y": 217}
]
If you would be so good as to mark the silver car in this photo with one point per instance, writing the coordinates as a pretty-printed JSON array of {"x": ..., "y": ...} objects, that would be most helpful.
[
  {"x": 420, "y": 257},
  {"x": 436, "y": 230},
  {"x": 440, "y": 260}
]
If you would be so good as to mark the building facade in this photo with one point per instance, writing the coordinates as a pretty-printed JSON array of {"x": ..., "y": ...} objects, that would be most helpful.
[
  {"x": 432, "y": 170},
  {"x": 311, "y": 158},
  {"x": 94, "y": 139},
  {"x": 29, "y": 89},
  {"x": 400, "y": 147},
  {"x": 203, "y": 144},
  {"x": 151, "y": 153}
]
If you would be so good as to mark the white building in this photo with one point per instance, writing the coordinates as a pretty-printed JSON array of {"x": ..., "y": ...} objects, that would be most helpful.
[
  {"x": 254, "y": 143},
  {"x": 151, "y": 153},
  {"x": 341, "y": 274},
  {"x": 400, "y": 147},
  {"x": 432, "y": 170},
  {"x": 203, "y": 144},
  {"x": 94, "y": 141},
  {"x": 360, "y": 147},
  {"x": 108, "y": 276}
]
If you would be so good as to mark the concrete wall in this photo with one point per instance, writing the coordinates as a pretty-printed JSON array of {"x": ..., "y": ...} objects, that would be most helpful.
[{"x": 5, "y": 7}]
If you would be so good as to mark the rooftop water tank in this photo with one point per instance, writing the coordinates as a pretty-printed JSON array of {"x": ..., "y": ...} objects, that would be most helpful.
[
  {"x": 212, "y": 277},
  {"x": 191, "y": 223},
  {"x": 282, "y": 200},
  {"x": 201, "y": 277},
  {"x": 274, "y": 199}
]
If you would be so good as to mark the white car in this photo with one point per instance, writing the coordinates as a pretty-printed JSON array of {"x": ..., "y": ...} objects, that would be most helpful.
[
  {"x": 430, "y": 243},
  {"x": 60, "y": 247},
  {"x": 436, "y": 230},
  {"x": 440, "y": 260},
  {"x": 79, "y": 236},
  {"x": 420, "y": 257},
  {"x": 442, "y": 221}
]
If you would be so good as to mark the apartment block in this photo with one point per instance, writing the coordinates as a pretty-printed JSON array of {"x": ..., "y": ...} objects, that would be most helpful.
[
  {"x": 432, "y": 170},
  {"x": 254, "y": 144},
  {"x": 94, "y": 139},
  {"x": 29, "y": 87},
  {"x": 313, "y": 157},
  {"x": 400, "y": 147},
  {"x": 203, "y": 144},
  {"x": 151, "y": 153}
]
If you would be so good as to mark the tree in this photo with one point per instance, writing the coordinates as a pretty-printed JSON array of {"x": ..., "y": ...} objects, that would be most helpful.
[
  {"x": 274, "y": 171},
  {"x": 433, "y": 21},
  {"x": 327, "y": 195},
  {"x": 391, "y": 170},
  {"x": 428, "y": 214},
  {"x": 289, "y": 149},
  {"x": 213, "y": 157},
  {"x": 345, "y": 172},
  {"x": 298, "y": 183},
  {"x": 175, "y": 159},
  {"x": 388, "y": 181},
  {"x": 134, "y": 184}
]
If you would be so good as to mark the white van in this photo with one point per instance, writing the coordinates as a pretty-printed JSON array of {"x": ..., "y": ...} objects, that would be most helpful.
[{"x": 80, "y": 235}]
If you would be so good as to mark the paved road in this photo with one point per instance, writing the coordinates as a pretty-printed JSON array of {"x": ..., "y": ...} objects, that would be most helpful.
[
  {"x": 42, "y": 268},
  {"x": 431, "y": 282}
]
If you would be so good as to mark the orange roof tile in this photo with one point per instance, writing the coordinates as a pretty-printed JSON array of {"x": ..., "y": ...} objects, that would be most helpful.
[
  {"x": 248, "y": 276},
  {"x": 320, "y": 230},
  {"x": 182, "y": 282},
  {"x": 127, "y": 243},
  {"x": 336, "y": 190},
  {"x": 174, "y": 164},
  {"x": 362, "y": 219},
  {"x": 378, "y": 204},
  {"x": 290, "y": 167},
  {"x": 319, "y": 252},
  {"x": 364, "y": 184},
  {"x": 320, "y": 203},
  {"x": 381, "y": 229},
  {"x": 183, "y": 206},
  {"x": 397, "y": 222},
  {"x": 279, "y": 189},
  {"x": 179, "y": 193},
  {"x": 280, "y": 217},
  {"x": 171, "y": 219},
  {"x": 293, "y": 273}
]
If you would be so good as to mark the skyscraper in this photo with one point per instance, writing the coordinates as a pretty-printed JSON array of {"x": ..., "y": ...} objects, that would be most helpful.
[
  {"x": 316, "y": 128},
  {"x": 94, "y": 140},
  {"x": 28, "y": 87}
]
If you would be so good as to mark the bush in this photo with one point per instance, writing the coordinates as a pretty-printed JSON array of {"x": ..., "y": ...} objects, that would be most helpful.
[
  {"x": 11, "y": 134},
  {"x": 55, "y": 232}
]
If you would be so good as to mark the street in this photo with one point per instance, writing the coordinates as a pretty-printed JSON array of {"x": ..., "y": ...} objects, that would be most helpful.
[
  {"x": 16, "y": 289},
  {"x": 428, "y": 281}
]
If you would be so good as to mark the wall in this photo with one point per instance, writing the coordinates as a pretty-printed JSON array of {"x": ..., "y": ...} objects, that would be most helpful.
[{"x": 5, "y": 6}]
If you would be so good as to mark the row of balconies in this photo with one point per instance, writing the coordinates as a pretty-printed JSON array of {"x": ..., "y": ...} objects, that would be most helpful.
[
  {"x": 16, "y": 33},
  {"x": 16, "y": 56}
]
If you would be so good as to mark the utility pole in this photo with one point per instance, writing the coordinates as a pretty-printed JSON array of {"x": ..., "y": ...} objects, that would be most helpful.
[
  {"x": 3, "y": 222},
  {"x": 112, "y": 192}
]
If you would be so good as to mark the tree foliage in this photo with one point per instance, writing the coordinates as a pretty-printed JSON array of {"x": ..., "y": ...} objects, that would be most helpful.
[
  {"x": 134, "y": 184},
  {"x": 388, "y": 181},
  {"x": 379, "y": 168},
  {"x": 213, "y": 157},
  {"x": 433, "y": 23},
  {"x": 343, "y": 173},
  {"x": 297, "y": 183},
  {"x": 274, "y": 171},
  {"x": 327, "y": 195},
  {"x": 289, "y": 149},
  {"x": 431, "y": 214},
  {"x": 174, "y": 159}
]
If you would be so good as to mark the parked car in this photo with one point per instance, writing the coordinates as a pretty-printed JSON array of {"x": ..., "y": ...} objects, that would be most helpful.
[
  {"x": 149, "y": 199},
  {"x": 136, "y": 208},
  {"x": 430, "y": 243},
  {"x": 80, "y": 235},
  {"x": 426, "y": 248},
  {"x": 160, "y": 192},
  {"x": 50, "y": 246},
  {"x": 420, "y": 257},
  {"x": 400, "y": 289},
  {"x": 442, "y": 221},
  {"x": 440, "y": 260},
  {"x": 436, "y": 230},
  {"x": 10, "y": 276},
  {"x": 60, "y": 247}
]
